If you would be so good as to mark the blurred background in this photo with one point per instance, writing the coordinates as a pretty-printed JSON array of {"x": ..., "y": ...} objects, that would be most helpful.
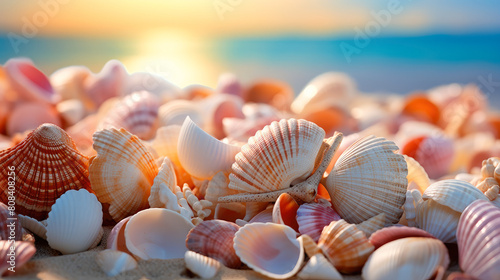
[{"x": 386, "y": 46}]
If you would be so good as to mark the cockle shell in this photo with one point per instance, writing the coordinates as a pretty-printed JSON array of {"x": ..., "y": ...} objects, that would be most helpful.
[
  {"x": 318, "y": 267},
  {"x": 313, "y": 217},
  {"x": 23, "y": 253},
  {"x": 46, "y": 164},
  {"x": 163, "y": 187},
  {"x": 389, "y": 234},
  {"x": 106, "y": 84},
  {"x": 478, "y": 237},
  {"x": 29, "y": 115},
  {"x": 74, "y": 222},
  {"x": 150, "y": 234},
  {"x": 310, "y": 246},
  {"x": 214, "y": 239},
  {"x": 285, "y": 211},
  {"x": 114, "y": 262},
  {"x": 201, "y": 265},
  {"x": 368, "y": 179},
  {"x": 371, "y": 225},
  {"x": 276, "y": 93},
  {"x": 200, "y": 154},
  {"x": 270, "y": 249},
  {"x": 122, "y": 173},
  {"x": 408, "y": 258},
  {"x": 346, "y": 247}
]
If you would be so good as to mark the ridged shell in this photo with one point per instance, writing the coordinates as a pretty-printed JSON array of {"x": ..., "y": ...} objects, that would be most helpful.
[
  {"x": 478, "y": 238},
  {"x": 310, "y": 246},
  {"x": 452, "y": 193},
  {"x": 408, "y": 258},
  {"x": 285, "y": 152},
  {"x": 165, "y": 181},
  {"x": 318, "y": 267},
  {"x": 389, "y": 234},
  {"x": 201, "y": 265},
  {"x": 346, "y": 247},
  {"x": 150, "y": 234},
  {"x": 285, "y": 211},
  {"x": 200, "y": 154},
  {"x": 137, "y": 113},
  {"x": 106, "y": 84},
  {"x": 214, "y": 239},
  {"x": 28, "y": 116},
  {"x": 438, "y": 220},
  {"x": 114, "y": 262},
  {"x": 270, "y": 249},
  {"x": 122, "y": 173},
  {"x": 74, "y": 222},
  {"x": 369, "y": 179},
  {"x": 372, "y": 225},
  {"x": 47, "y": 165},
  {"x": 23, "y": 253},
  {"x": 313, "y": 217}
]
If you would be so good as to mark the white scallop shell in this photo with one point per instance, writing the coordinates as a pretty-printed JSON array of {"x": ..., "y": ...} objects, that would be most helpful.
[
  {"x": 114, "y": 262},
  {"x": 318, "y": 267},
  {"x": 74, "y": 222},
  {"x": 438, "y": 220},
  {"x": 452, "y": 193},
  {"x": 200, "y": 265}
]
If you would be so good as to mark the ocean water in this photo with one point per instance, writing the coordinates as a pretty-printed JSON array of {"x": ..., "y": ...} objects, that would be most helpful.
[{"x": 384, "y": 64}]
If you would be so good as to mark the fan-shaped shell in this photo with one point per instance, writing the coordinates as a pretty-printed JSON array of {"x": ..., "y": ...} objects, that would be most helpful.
[
  {"x": 285, "y": 211},
  {"x": 346, "y": 247},
  {"x": 407, "y": 258},
  {"x": 214, "y": 239},
  {"x": 164, "y": 182},
  {"x": 313, "y": 217},
  {"x": 114, "y": 262},
  {"x": 46, "y": 165},
  {"x": 28, "y": 116},
  {"x": 201, "y": 265},
  {"x": 122, "y": 173},
  {"x": 369, "y": 179},
  {"x": 452, "y": 193},
  {"x": 74, "y": 222},
  {"x": 389, "y": 234},
  {"x": 318, "y": 267},
  {"x": 438, "y": 220},
  {"x": 478, "y": 238},
  {"x": 23, "y": 253}
]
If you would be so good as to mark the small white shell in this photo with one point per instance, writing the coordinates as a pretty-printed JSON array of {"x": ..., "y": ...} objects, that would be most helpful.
[
  {"x": 200, "y": 265},
  {"x": 162, "y": 192},
  {"x": 114, "y": 262},
  {"x": 318, "y": 267},
  {"x": 33, "y": 225}
]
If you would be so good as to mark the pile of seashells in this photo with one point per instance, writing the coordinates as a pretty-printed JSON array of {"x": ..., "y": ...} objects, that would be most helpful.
[{"x": 249, "y": 175}]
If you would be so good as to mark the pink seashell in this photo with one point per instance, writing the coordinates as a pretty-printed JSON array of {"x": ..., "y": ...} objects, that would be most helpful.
[
  {"x": 217, "y": 108},
  {"x": 24, "y": 252},
  {"x": 108, "y": 83},
  {"x": 28, "y": 116},
  {"x": 229, "y": 83},
  {"x": 313, "y": 217},
  {"x": 478, "y": 237},
  {"x": 388, "y": 234},
  {"x": 266, "y": 216}
]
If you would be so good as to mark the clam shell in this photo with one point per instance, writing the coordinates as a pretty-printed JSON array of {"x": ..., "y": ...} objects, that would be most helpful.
[
  {"x": 122, "y": 173},
  {"x": 407, "y": 258},
  {"x": 149, "y": 234},
  {"x": 200, "y": 265},
  {"x": 438, "y": 220},
  {"x": 28, "y": 116},
  {"x": 114, "y": 262},
  {"x": 389, "y": 234},
  {"x": 285, "y": 211},
  {"x": 106, "y": 84},
  {"x": 47, "y": 164},
  {"x": 162, "y": 192},
  {"x": 200, "y": 154},
  {"x": 318, "y": 267},
  {"x": 275, "y": 93},
  {"x": 345, "y": 246},
  {"x": 270, "y": 249},
  {"x": 478, "y": 238},
  {"x": 452, "y": 193},
  {"x": 23, "y": 253},
  {"x": 313, "y": 217},
  {"x": 372, "y": 225},
  {"x": 368, "y": 179},
  {"x": 214, "y": 239},
  {"x": 74, "y": 222}
]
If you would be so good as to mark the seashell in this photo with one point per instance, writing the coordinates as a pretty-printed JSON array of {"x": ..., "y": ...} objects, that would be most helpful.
[
  {"x": 310, "y": 246},
  {"x": 285, "y": 211},
  {"x": 345, "y": 246},
  {"x": 165, "y": 142},
  {"x": 153, "y": 83},
  {"x": 389, "y": 234},
  {"x": 23, "y": 253},
  {"x": 242, "y": 129},
  {"x": 68, "y": 83},
  {"x": 265, "y": 216},
  {"x": 407, "y": 258},
  {"x": 29, "y": 82},
  {"x": 82, "y": 132},
  {"x": 478, "y": 240},
  {"x": 74, "y": 222},
  {"x": 162, "y": 192},
  {"x": 9, "y": 224},
  {"x": 149, "y": 234},
  {"x": 195, "y": 92},
  {"x": 421, "y": 108},
  {"x": 114, "y": 262},
  {"x": 46, "y": 149},
  {"x": 176, "y": 111},
  {"x": 33, "y": 225},
  {"x": 229, "y": 83},
  {"x": 116, "y": 238},
  {"x": 218, "y": 107},
  {"x": 313, "y": 217},
  {"x": 230, "y": 212},
  {"x": 371, "y": 225},
  {"x": 368, "y": 179},
  {"x": 460, "y": 276},
  {"x": 417, "y": 174},
  {"x": 410, "y": 214},
  {"x": 106, "y": 84},
  {"x": 214, "y": 239},
  {"x": 254, "y": 208},
  {"x": 318, "y": 267},
  {"x": 122, "y": 173},
  {"x": 325, "y": 90},
  {"x": 332, "y": 119},
  {"x": 270, "y": 249},
  {"x": 71, "y": 111},
  {"x": 28, "y": 116},
  {"x": 200, "y": 265},
  {"x": 137, "y": 113},
  {"x": 275, "y": 93},
  {"x": 200, "y": 154}
]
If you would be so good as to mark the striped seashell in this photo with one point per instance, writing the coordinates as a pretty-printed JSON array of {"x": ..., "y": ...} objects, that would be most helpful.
[
  {"x": 201, "y": 265},
  {"x": 114, "y": 262},
  {"x": 368, "y": 179},
  {"x": 313, "y": 217},
  {"x": 28, "y": 116},
  {"x": 371, "y": 225},
  {"x": 23, "y": 253},
  {"x": 318, "y": 267},
  {"x": 214, "y": 239},
  {"x": 47, "y": 165},
  {"x": 389, "y": 234},
  {"x": 122, "y": 173},
  {"x": 162, "y": 192},
  {"x": 285, "y": 211}
]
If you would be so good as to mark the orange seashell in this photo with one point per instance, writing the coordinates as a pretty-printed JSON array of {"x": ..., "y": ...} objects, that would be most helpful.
[
  {"x": 47, "y": 165},
  {"x": 332, "y": 119},
  {"x": 82, "y": 132},
  {"x": 285, "y": 211},
  {"x": 421, "y": 108},
  {"x": 197, "y": 92},
  {"x": 273, "y": 92},
  {"x": 28, "y": 116}
]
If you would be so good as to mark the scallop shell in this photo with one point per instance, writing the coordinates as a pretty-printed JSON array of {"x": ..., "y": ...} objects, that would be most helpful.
[
  {"x": 276, "y": 93},
  {"x": 368, "y": 179},
  {"x": 44, "y": 151},
  {"x": 453, "y": 193},
  {"x": 200, "y": 265},
  {"x": 114, "y": 262},
  {"x": 346, "y": 247},
  {"x": 122, "y": 173},
  {"x": 478, "y": 238},
  {"x": 162, "y": 192},
  {"x": 74, "y": 222},
  {"x": 389, "y": 234},
  {"x": 23, "y": 253},
  {"x": 417, "y": 174},
  {"x": 229, "y": 83},
  {"x": 372, "y": 225},
  {"x": 214, "y": 239},
  {"x": 106, "y": 84},
  {"x": 407, "y": 258},
  {"x": 285, "y": 211},
  {"x": 200, "y": 154},
  {"x": 318, "y": 267},
  {"x": 149, "y": 234},
  {"x": 270, "y": 249},
  {"x": 313, "y": 217},
  {"x": 137, "y": 113},
  {"x": 28, "y": 116}
]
